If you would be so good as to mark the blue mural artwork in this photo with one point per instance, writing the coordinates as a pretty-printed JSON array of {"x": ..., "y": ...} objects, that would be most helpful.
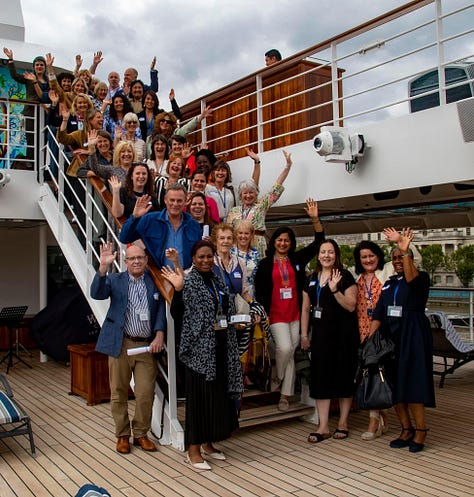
[{"x": 12, "y": 136}]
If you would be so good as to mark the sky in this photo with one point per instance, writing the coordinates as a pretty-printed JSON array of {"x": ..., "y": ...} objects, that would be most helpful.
[{"x": 200, "y": 45}]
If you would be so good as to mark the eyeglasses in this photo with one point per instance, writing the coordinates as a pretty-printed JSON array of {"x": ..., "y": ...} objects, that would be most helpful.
[
  {"x": 138, "y": 258},
  {"x": 167, "y": 121},
  {"x": 132, "y": 122}
]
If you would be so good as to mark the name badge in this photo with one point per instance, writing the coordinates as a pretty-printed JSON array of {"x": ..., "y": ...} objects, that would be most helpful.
[
  {"x": 237, "y": 275},
  {"x": 221, "y": 323},
  {"x": 286, "y": 293},
  {"x": 317, "y": 312},
  {"x": 143, "y": 316},
  {"x": 312, "y": 283},
  {"x": 394, "y": 311}
]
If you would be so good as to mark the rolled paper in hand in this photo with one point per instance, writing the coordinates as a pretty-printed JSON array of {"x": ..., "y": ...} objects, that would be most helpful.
[{"x": 138, "y": 350}]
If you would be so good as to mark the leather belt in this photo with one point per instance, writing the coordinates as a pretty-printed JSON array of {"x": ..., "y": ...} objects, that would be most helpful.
[{"x": 136, "y": 339}]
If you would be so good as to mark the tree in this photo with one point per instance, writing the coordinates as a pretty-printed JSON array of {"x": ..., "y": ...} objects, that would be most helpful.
[
  {"x": 347, "y": 255},
  {"x": 432, "y": 259},
  {"x": 462, "y": 261}
]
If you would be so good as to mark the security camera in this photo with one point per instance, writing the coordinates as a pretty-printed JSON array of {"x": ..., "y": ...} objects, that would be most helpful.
[
  {"x": 337, "y": 145},
  {"x": 4, "y": 179}
]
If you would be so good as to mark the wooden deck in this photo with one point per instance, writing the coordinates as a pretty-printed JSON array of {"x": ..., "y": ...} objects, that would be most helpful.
[{"x": 75, "y": 445}]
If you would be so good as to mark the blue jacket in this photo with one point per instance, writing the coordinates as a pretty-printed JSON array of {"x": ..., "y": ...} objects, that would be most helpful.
[
  {"x": 152, "y": 228},
  {"x": 115, "y": 286}
]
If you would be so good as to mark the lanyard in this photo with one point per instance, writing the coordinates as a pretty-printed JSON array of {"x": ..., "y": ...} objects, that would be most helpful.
[
  {"x": 319, "y": 289},
  {"x": 395, "y": 293},
  {"x": 139, "y": 297},
  {"x": 284, "y": 272},
  {"x": 216, "y": 296},
  {"x": 368, "y": 289},
  {"x": 223, "y": 198},
  {"x": 246, "y": 212}
]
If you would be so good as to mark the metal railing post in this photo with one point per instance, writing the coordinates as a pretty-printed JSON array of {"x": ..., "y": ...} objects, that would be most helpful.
[
  {"x": 440, "y": 53},
  {"x": 335, "y": 86},
  {"x": 259, "y": 95}
]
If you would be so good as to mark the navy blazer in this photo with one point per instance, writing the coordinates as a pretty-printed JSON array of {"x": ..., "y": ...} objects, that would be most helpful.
[{"x": 115, "y": 286}]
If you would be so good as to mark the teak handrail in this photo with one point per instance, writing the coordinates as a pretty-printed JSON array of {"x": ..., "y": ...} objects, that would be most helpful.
[{"x": 162, "y": 285}]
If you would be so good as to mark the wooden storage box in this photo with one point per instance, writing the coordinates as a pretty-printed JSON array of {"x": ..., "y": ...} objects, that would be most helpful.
[{"x": 89, "y": 373}]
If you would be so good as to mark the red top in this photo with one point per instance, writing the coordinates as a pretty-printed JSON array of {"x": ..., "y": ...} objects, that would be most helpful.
[{"x": 284, "y": 310}]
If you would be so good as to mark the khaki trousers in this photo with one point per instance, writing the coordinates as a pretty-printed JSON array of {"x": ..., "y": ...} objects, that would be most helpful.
[{"x": 144, "y": 369}]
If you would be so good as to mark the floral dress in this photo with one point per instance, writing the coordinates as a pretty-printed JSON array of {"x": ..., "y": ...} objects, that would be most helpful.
[
  {"x": 256, "y": 214},
  {"x": 368, "y": 294}
]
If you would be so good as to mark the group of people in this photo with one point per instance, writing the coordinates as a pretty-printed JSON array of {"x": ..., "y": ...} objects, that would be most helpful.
[{"x": 211, "y": 245}]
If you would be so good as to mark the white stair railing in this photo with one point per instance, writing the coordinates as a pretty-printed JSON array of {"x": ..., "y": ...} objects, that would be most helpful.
[{"x": 64, "y": 212}]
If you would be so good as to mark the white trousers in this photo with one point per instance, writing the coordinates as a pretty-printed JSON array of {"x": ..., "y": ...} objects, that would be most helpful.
[{"x": 287, "y": 338}]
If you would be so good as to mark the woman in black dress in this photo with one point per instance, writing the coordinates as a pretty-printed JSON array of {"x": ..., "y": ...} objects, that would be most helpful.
[
  {"x": 208, "y": 349},
  {"x": 329, "y": 302},
  {"x": 401, "y": 309}
]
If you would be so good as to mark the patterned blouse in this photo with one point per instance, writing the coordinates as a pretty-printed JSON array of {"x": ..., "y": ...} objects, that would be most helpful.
[
  {"x": 250, "y": 261},
  {"x": 368, "y": 294},
  {"x": 256, "y": 213}
]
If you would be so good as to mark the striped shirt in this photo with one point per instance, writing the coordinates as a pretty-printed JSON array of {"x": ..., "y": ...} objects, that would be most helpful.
[{"x": 137, "y": 309}]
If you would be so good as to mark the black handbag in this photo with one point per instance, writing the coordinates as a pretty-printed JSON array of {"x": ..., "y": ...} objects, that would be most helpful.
[
  {"x": 374, "y": 390},
  {"x": 377, "y": 349}
]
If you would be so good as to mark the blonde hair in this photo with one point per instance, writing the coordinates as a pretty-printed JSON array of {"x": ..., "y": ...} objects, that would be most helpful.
[
  {"x": 90, "y": 105},
  {"x": 118, "y": 150}
]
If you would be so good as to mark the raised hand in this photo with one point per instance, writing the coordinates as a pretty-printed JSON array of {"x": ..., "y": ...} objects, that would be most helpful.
[
  {"x": 171, "y": 95},
  {"x": 8, "y": 53},
  {"x": 289, "y": 162},
  {"x": 335, "y": 278},
  {"x": 202, "y": 146},
  {"x": 252, "y": 154},
  {"x": 92, "y": 137},
  {"x": 49, "y": 60},
  {"x": 187, "y": 150},
  {"x": 153, "y": 63},
  {"x": 118, "y": 132},
  {"x": 207, "y": 112},
  {"x": 311, "y": 208},
  {"x": 391, "y": 235},
  {"x": 142, "y": 206},
  {"x": 107, "y": 255},
  {"x": 405, "y": 239},
  {"x": 29, "y": 76},
  {"x": 97, "y": 58},
  {"x": 54, "y": 97},
  {"x": 64, "y": 111},
  {"x": 115, "y": 184},
  {"x": 176, "y": 278},
  {"x": 79, "y": 61}
]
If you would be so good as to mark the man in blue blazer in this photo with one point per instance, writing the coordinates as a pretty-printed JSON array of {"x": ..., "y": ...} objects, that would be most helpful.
[{"x": 136, "y": 318}]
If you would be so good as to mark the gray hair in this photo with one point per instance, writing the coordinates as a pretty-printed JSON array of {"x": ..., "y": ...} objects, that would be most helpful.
[
  {"x": 248, "y": 184},
  {"x": 129, "y": 116}
]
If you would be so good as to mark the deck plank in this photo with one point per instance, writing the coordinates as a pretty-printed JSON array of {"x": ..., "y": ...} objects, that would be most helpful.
[{"x": 76, "y": 445}]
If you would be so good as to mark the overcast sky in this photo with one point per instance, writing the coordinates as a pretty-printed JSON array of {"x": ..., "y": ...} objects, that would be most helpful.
[{"x": 200, "y": 45}]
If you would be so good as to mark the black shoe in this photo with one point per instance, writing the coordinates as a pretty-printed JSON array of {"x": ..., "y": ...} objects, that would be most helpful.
[
  {"x": 400, "y": 443},
  {"x": 417, "y": 446}
]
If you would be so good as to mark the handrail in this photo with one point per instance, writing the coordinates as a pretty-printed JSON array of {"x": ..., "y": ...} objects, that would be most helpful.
[
  {"x": 152, "y": 268},
  {"x": 336, "y": 82}
]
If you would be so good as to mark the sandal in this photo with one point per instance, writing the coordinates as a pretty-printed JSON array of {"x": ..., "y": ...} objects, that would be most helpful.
[
  {"x": 314, "y": 438},
  {"x": 400, "y": 443},
  {"x": 283, "y": 405},
  {"x": 417, "y": 446},
  {"x": 340, "y": 434}
]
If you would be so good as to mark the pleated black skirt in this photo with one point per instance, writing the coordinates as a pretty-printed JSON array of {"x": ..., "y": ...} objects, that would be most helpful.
[{"x": 211, "y": 415}]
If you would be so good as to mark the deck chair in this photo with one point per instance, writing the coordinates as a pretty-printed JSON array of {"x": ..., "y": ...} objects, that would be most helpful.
[
  {"x": 448, "y": 345},
  {"x": 11, "y": 413}
]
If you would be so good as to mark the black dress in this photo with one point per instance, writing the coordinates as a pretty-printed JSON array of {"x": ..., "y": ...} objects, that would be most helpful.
[
  {"x": 211, "y": 411},
  {"x": 334, "y": 342},
  {"x": 413, "y": 370}
]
